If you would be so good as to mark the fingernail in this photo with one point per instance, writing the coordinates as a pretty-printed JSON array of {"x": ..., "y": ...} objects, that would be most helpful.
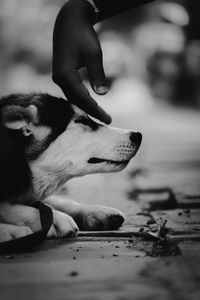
[{"x": 101, "y": 90}]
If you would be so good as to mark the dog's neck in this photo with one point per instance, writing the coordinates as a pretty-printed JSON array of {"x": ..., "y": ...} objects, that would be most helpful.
[{"x": 47, "y": 180}]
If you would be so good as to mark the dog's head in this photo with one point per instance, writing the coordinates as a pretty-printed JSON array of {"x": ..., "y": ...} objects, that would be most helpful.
[{"x": 59, "y": 140}]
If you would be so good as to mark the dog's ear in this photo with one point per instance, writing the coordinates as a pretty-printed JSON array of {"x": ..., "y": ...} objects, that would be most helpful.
[{"x": 20, "y": 118}]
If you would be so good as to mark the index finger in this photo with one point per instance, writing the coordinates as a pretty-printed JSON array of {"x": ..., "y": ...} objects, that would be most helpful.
[{"x": 77, "y": 93}]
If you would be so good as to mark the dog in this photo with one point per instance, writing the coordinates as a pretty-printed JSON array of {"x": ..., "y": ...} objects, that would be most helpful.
[{"x": 44, "y": 142}]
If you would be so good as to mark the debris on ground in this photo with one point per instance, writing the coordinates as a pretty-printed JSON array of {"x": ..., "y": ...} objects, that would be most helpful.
[
  {"x": 162, "y": 245},
  {"x": 73, "y": 274},
  {"x": 164, "y": 248},
  {"x": 158, "y": 232}
]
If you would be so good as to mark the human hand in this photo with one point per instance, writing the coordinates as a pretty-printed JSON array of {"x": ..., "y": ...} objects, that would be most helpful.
[{"x": 76, "y": 45}]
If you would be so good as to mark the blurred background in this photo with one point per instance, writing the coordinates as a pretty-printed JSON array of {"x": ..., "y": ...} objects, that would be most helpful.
[
  {"x": 151, "y": 54},
  {"x": 152, "y": 61}
]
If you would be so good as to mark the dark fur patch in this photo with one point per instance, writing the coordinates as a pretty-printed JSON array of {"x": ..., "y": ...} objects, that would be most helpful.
[
  {"x": 15, "y": 177},
  {"x": 53, "y": 112},
  {"x": 15, "y": 174},
  {"x": 88, "y": 122}
]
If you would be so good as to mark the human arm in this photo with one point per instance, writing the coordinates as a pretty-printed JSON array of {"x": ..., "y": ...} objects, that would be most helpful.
[{"x": 76, "y": 45}]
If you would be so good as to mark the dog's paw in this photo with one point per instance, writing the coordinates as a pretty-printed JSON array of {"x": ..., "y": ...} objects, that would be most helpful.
[
  {"x": 63, "y": 226},
  {"x": 101, "y": 218},
  {"x": 9, "y": 232}
]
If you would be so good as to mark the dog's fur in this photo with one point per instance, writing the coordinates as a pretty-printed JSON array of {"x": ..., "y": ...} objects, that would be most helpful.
[{"x": 45, "y": 141}]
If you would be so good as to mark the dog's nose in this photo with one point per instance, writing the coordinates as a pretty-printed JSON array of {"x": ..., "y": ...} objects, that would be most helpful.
[{"x": 136, "y": 138}]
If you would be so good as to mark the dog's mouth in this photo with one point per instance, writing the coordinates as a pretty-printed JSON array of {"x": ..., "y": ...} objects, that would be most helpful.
[{"x": 95, "y": 160}]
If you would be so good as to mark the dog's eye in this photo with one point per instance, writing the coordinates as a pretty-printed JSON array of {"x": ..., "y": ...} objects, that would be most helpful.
[{"x": 88, "y": 122}]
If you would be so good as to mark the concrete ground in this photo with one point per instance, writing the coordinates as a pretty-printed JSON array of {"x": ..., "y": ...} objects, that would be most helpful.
[{"x": 163, "y": 181}]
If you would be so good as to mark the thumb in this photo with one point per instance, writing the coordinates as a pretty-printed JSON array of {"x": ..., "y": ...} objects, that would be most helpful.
[{"x": 96, "y": 73}]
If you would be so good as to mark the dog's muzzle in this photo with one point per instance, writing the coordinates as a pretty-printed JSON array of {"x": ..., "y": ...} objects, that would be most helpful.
[{"x": 135, "y": 138}]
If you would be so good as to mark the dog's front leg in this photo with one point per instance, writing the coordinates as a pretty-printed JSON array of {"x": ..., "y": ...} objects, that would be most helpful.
[
  {"x": 20, "y": 215},
  {"x": 17, "y": 221},
  {"x": 88, "y": 217},
  {"x": 9, "y": 232},
  {"x": 63, "y": 225},
  {"x": 26, "y": 219}
]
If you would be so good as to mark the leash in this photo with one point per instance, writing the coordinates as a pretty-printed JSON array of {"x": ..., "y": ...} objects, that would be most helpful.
[{"x": 29, "y": 242}]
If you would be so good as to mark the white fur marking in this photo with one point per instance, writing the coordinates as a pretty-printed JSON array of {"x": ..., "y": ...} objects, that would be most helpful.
[{"x": 68, "y": 155}]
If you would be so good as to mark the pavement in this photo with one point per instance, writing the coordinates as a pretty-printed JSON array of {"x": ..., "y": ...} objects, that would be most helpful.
[{"x": 132, "y": 263}]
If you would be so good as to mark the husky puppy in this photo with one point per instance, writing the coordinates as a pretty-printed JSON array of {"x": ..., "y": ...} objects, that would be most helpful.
[{"x": 44, "y": 142}]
